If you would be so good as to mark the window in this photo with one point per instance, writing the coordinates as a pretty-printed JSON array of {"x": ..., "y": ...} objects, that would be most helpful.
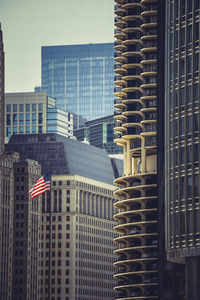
[
  {"x": 33, "y": 107},
  {"x": 27, "y": 107},
  {"x": 14, "y": 119},
  {"x": 8, "y": 108},
  {"x": 27, "y": 119},
  {"x": 21, "y": 107},
  {"x": 21, "y": 119},
  {"x": 14, "y": 107},
  {"x": 40, "y": 106},
  {"x": 8, "y": 119}
]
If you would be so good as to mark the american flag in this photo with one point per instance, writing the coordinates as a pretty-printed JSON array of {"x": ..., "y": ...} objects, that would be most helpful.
[{"x": 41, "y": 186}]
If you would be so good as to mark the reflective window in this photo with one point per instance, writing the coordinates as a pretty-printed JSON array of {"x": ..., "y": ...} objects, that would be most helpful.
[
  {"x": 40, "y": 106},
  {"x": 21, "y": 107},
  {"x": 14, "y": 119},
  {"x": 14, "y": 107},
  {"x": 27, "y": 119},
  {"x": 8, "y": 108},
  {"x": 27, "y": 107},
  {"x": 8, "y": 119},
  {"x": 21, "y": 119}
]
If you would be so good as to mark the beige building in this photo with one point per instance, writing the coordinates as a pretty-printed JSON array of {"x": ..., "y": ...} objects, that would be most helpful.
[
  {"x": 77, "y": 240},
  {"x": 35, "y": 113}
]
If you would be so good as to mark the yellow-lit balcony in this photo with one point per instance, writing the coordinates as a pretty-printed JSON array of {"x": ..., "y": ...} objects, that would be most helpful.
[
  {"x": 126, "y": 204},
  {"x": 119, "y": 117},
  {"x": 124, "y": 261},
  {"x": 131, "y": 179},
  {"x": 149, "y": 85},
  {"x": 120, "y": 129},
  {"x": 120, "y": 93},
  {"x": 119, "y": 69},
  {"x": 119, "y": 104},
  {"x": 148, "y": 98},
  {"x": 147, "y": 109},
  {"x": 149, "y": 13},
  {"x": 148, "y": 25},
  {"x": 139, "y": 214},
  {"x": 120, "y": 83},
  {"x": 132, "y": 89},
  {"x": 148, "y": 73}
]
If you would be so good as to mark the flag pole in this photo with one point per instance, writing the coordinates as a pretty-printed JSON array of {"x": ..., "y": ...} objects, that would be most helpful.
[{"x": 49, "y": 275}]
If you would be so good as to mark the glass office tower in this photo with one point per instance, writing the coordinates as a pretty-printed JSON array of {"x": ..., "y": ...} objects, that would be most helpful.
[
  {"x": 80, "y": 77},
  {"x": 182, "y": 139}
]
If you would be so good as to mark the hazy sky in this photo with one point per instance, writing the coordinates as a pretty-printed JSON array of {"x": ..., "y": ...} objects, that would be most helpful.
[{"x": 29, "y": 24}]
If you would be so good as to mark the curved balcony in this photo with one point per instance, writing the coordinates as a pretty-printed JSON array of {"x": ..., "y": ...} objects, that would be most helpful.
[
  {"x": 133, "y": 4},
  {"x": 119, "y": 22},
  {"x": 119, "y": 104},
  {"x": 120, "y": 11},
  {"x": 119, "y": 69},
  {"x": 118, "y": 92}
]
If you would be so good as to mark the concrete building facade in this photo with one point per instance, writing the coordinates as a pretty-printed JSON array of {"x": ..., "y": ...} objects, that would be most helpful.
[
  {"x": 26, "y": 233},
  {"x": 77, "y": 231},
  {"x": 182, "y": 154},
  {"x": 35, "y": 113}
]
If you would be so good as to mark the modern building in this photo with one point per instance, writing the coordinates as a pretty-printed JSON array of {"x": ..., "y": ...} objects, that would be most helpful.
[
  {"x": 143, "y": 272},
  {"x": 182, "y": 153},
  {"x": 26, "y": 233},
  {"x": 100, "y": 133},
  {"x": 35, "y": 113},
  {"x": 77, "y": 216},
  {"x": 80, "y": 77}
]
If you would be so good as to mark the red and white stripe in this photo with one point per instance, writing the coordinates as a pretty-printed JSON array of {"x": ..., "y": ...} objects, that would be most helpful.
[{"x": 40, "y": 187}]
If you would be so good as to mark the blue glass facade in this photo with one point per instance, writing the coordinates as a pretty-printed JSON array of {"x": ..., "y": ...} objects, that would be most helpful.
[{"x": 80, "y": 77}]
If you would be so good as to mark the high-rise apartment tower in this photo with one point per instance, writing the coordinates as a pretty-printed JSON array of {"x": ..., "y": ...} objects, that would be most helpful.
[{"x": 142, "y": 270}]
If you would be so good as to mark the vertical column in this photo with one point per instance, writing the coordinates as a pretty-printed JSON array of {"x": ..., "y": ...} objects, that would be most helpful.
[{"x": 192, "y": 277}]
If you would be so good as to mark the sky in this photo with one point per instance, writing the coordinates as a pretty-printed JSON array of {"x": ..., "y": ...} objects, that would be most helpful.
[{"x": 29, "y": 24}]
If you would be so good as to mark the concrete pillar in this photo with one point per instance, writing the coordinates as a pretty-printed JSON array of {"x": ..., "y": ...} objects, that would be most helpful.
[{"x": 192, "y": 278}]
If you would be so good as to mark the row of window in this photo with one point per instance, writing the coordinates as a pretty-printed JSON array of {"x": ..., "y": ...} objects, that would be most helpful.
[
  {"x": 24, "y": 107},
  {"x": 22, "y": 129},
  {"x": 16, "y": 119}
]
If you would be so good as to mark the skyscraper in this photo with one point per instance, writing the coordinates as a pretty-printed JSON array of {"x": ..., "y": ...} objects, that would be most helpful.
[
  {"x": 6, "y": 198},
  {"x": 26, "y": 233},
  {"x": 80, "y": 77},
  {"x": 182, "y": 121},
  {"x": 1, "y": 93},
  {"x": 142, "y": 269}
]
